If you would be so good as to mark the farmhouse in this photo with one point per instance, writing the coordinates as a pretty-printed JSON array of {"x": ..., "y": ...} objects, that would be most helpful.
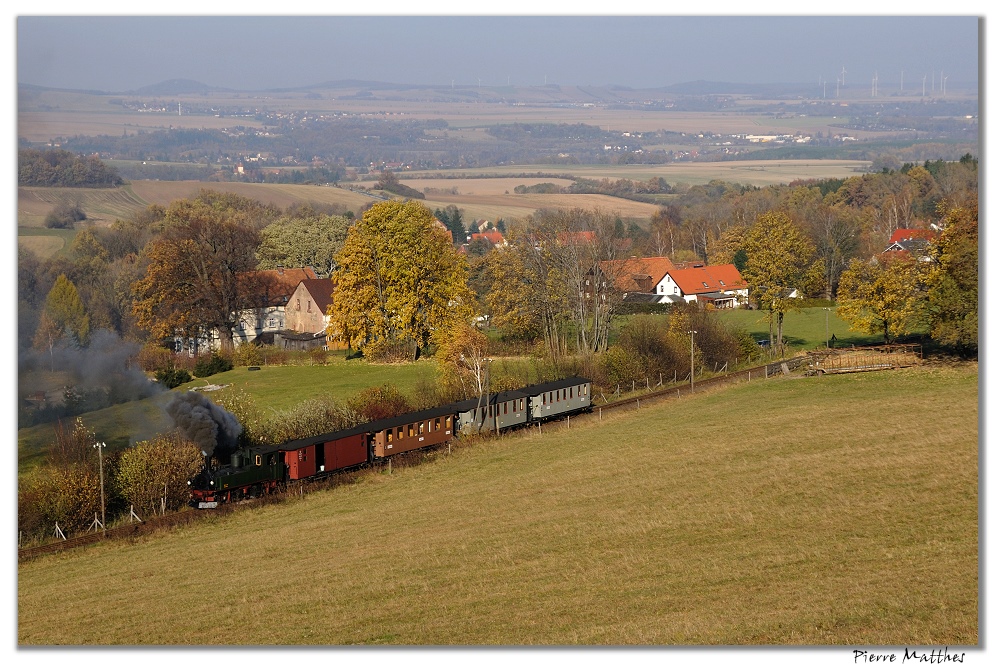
[
  {"x": 914, "y": 241},
  {"x": 306, "y": 319},
  {"x": 262, "y": 322},
  {"x": 722, "y": 286},
  {"x": 264, "y": 319},
  {"x": 636, "y": 279}
]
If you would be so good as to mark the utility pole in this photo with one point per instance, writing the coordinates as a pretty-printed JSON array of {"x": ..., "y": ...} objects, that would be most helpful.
[
  {"x": 100, "y": 463},
  {"x": 692, "y": 333},
  {"x": 827, "y": 327}
]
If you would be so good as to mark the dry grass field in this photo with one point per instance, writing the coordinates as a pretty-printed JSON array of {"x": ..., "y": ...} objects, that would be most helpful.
[{"x": 792, "y": 511}]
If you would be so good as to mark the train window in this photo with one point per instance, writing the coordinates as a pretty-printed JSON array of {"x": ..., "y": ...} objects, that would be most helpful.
[
  {"x": 447, "y": 422},
  {"x": 388, "y": 435},
  {"x": 302, "y": 454},
  {"x": 543, "y": 399},
  {"x": 564, "y": 394},
  {"x": 505, "y": 409},
  {"x": 420, "y": 428},
  {"x": 256, "y": 460},
  {"x": 520, "y": 405},
  {"x": 409, "y": 430},
  {"x": 399, "y": 432},
  {"x": 437, "y": 423}
]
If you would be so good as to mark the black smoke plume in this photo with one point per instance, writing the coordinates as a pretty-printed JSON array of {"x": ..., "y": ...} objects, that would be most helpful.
[{"x": 215, "y": 430}]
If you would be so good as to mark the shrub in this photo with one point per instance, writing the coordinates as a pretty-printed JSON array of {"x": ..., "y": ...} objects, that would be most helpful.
[
  {"x": 205, "y": 367},
  {"x": 380, "y": 402},
  {"x": 158, "y": 468},
  {"x": 622, "y": 366},
  {"x": 247, "y": 354},
  {"x": 172, "y": 377},
  {"x": 64, "y": 216},
  {"x": 318, "y": 356},
  {"x": 154, "y": 357}
]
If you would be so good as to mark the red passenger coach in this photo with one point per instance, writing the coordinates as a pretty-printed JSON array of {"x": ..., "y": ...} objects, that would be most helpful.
[{"x": 325, "y": 453}]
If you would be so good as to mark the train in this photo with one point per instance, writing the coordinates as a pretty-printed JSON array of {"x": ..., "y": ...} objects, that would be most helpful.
[{"x": 259, "y": 470}]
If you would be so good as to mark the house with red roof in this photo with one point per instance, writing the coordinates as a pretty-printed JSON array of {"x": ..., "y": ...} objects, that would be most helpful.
[
  {"x": 914, "y": 241},
  {"x": 638, "y": 279},
  {"x": 722, "y": 286},
  {"x": 494, "y": 237}
]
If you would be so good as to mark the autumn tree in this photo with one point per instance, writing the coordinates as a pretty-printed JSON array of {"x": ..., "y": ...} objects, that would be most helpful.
[
  {"x": 778, "y": 257},
  {"x": 304, "y": 240},
  {"x": 881, "y": 295},
  {"x": 463, "y": 358},
  {"x": 200, "y": 275},
  {"x": 156, "y": 469},
  {"x": 514, "y": 311},
  {"x": 953, "y": 296},
  {"x": 399, "y": 281},
  {"x": 63, "y": 316}
]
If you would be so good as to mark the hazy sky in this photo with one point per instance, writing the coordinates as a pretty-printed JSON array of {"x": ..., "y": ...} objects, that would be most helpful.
[{"x": 119, "y": 53}]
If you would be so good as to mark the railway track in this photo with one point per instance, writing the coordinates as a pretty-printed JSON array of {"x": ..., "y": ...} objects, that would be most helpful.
[{"x": 156, "y": 523}]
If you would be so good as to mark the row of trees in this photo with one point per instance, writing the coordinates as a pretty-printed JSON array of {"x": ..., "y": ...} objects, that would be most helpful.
[{"x": 61, "y": 168}]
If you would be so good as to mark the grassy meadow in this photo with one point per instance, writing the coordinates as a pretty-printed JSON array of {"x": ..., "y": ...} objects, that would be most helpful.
[{"x": 792, "y": 511}]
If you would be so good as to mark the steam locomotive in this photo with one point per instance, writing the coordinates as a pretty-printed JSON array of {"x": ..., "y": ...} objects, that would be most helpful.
[{"x": 259, "y": 470}]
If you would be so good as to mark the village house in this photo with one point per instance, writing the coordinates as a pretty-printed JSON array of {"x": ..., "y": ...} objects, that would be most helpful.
[
  {"x": 306, "y": 317},
  {"x": 261, "y": 322},
  {"x": 636, "y": 279},
  {"x": 914, "y": 241},
  {"x": 721, "y": 286}
]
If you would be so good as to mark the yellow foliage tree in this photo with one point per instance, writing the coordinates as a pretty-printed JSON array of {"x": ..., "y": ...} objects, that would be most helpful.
[
  {"x": 160, "y": 467},
  {"x": 399, "y": 282},
  {"x": 882, "y": 295}
]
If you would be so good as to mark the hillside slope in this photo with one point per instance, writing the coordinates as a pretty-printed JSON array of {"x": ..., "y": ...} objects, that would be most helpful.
[{"x": 787, "y": 511}]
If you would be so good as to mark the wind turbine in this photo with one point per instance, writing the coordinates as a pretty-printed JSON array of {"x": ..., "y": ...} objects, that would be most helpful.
[
  {"x": 924, "y": 90},
  {"x": 944, "y": 85}
]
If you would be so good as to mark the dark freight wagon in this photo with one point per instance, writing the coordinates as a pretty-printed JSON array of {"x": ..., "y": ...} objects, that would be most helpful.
[{"x": 325, "y": 453}]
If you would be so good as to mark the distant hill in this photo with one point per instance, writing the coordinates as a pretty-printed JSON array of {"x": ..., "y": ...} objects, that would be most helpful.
[{"x": 178, "y": 87}]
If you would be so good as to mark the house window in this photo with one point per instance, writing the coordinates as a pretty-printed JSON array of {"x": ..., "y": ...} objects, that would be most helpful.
[
  {"x": 662, "y": 288},
  {"x": 309, "y": 306},
  {"x": 298, "y": 305},
  {"x": 722, "y": 283},
  {"x": 704, "y": 284}
]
